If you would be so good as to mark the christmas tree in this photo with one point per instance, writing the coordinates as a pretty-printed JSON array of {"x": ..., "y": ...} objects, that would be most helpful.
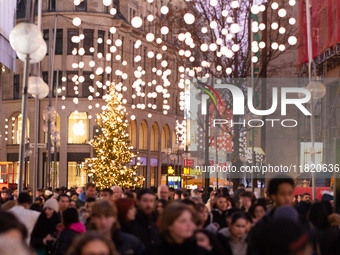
[{"x": 112, "y": 148}]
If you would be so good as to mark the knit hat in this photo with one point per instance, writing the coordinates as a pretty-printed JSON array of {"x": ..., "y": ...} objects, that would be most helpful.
[
  {"x": 52, "y": 204},
  {"x": 48, "y": 192}
]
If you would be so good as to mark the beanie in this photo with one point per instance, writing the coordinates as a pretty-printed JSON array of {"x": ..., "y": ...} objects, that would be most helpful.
[{"x": 52, "y": 204}]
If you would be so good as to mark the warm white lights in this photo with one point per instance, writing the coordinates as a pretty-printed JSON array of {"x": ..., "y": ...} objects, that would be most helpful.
[
  {"x": 136, "y": 22},
  {"x": 76, "y": 21},
  {"x": 292, "y": 40},
  {"x": 189, "y": 18}
]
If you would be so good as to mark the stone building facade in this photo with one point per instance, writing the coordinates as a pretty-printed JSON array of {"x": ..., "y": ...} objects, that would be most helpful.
[{"x": 81, "y": 88}]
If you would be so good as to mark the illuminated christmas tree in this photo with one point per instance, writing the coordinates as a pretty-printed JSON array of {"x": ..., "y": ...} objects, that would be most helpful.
[{"x": 112, "y": 148}]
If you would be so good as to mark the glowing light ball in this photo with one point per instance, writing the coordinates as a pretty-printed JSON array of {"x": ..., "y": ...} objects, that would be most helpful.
[
  {"x": 204, "y": 47},
  {"x": 107, "y": 2},
  {"x": 150, "y": 17},
  {"x": 113, "y": 11},
  {"x": 275, "y": 25},
  {"x": 235, "y": 48},
  {"x": 282, "y": 47},
  {"x": 25, "y": 38},
  {"x": 150, "y": 37},
  {"x": 224, "y": 13},
  {"x": 282, "y": 13},
  {"x": 113, "y": 30},
  {"x": 235, "y": 28},
  {"x": 164, "y": 10},
  {"x": 36, "y": 56},
  {"x": 255, "y": 9},
  {"x": 189, "y": 18},
  {"x": 213, "y": 3},
  {"x": 137, "y": 22},
  {"x": 213, "y": 24},
  {"x": 275, "y": 46},
  {"x": 282, "y": 30},
  {"x": 164, "y": 31},
  {"x": 292, "y": 40},
  {"x": 118, "y": 42},
  {"x": 275, "y": 6},
  {"x": 76, "y": 21},
  {"x": 292, "y": 21},
  {"x": 235, "y": 4},
  {"x": 204, "y": 30}
]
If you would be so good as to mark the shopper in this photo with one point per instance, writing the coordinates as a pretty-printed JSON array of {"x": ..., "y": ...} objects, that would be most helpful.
[
  {"x": 177, "y": 227},
  {"x": 92, "y": 242},
  {"x": 104, "y": 219},
  {"x": 45, "y": 230},
  {"x": 72, "y": 229}
]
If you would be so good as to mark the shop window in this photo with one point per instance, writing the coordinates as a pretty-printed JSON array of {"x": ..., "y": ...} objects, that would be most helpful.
[
  {"x": 165, "y": 138},
  {"x": 16, "y": 129},
  {"x": 71, "y": 45},
  {"x": 154, "y": 137},
  {"x": 52, "y": 5},
  {"x": 88, "y": 41},
  {"x": 101, "y": 34},
  {"x": 82, "y": 6},
  {"x": 132, "y": 133},
  {"x": 60, "y": 82},
  {"x": 143, "y": 136},
  {"x": 71, "y": 92},
  {"x": 46, "y": 39},
  {"x": 76, "y": 174},
  {"x": 86, "y": 84},
  {"x": 78, "y": 128},
  {"x": 16, "y": 86},
  {"x": 59, "y": 42}
]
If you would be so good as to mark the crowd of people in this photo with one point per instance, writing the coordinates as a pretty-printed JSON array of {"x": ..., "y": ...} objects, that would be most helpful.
[{"x": 163, "y": 221}]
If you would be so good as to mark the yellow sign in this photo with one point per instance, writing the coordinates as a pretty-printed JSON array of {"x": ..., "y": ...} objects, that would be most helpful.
[
  {"x": 170, "y": 170},
  {"x": 186, "y": 170}
]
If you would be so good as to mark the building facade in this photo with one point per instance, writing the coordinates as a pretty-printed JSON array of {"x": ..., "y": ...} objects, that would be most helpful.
[{"x": 87, "y": 59}]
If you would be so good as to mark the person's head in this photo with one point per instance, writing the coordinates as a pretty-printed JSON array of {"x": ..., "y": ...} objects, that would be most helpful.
[
  {"x": 238, "y": 225},
  {"x": 221, "y": 203},
  {"x": 35, "y": 207},
  {"x": 240, "y": 186},
  {"x": 280, "y": 190},
  {"x": 88, "y": 204},
  {"x": 178, "y": 194},
  {"x": 145, "y": 201},
  {"x": 203, "y": 239},
  {"x": 117, "y": 192},
  {"x": 72, "y": 204},
  {"x": 79, "y": 190},
  {"x": 107, "y": 194},
  {"x": 171, "y": 192},
  {"x": 163, "y": 192},
  {"x": 4, "y": 194},
  {"x": 90, "y": 190},
  {"x": 15, "y": 193},
  {"x": 202, "y": 212},
  {"x": 64, "y": 202},
  {"x": 70, "y": 215},
  {"x": 258, "y": 211},
  {"x": 159, "y": 206},
  {"x": 104, "y": 216},
  {"x": 185, "y": 194},
  {"x": 306, "y": 197},
  {"x": 10, "y": 226},
  {"x": 50, "y": 207},
  {"x": 318, "y": 216},
  {"x": 282, "y": 237},
  {"x": 191, "y": 204},
  {"x": 246, "y": 199},
  {"x": 74, "y": 196},
  {"x": 177, "y": 223},
  {"x": 24, "y": 199},
  {"x": 92, "y": 242},
  {"x": 11, "y": 245},
  {"x": 40, "y": 192},
  {"x": 213, "y": 195},
  {"x": 126, "y": 209},
  {"x": 196, "y": 199}
]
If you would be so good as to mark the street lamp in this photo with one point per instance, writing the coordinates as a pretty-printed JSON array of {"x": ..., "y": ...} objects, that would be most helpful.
[{"x": 316, "y": 88}]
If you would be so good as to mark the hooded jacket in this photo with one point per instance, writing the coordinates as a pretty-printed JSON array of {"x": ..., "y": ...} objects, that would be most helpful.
[
  {"x": 66, "y": 237},
  {"x": 238, "y": 247}
]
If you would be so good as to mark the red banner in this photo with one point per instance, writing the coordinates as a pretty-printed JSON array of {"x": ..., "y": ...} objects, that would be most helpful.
[{"x": 325, "y": 26}]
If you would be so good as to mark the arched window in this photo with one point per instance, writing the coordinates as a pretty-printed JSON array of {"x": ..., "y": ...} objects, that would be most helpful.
[
  {"x": 143, "y": 136},
  {"x": 16, "y": 128},
  {"x": 78, "y": 128},
  {"x": 154, "y": 137},
  {"x": 132, "y": 133},
  {"x": 165, "y": 138}
]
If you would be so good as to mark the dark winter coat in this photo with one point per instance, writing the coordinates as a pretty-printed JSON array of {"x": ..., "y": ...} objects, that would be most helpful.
[
  {"x": 67, "y": 236},
  {"x": 127, "y": 244},
  {"x": 145, "y": 228},
  {"x": 303, "y": 208},
  {"x": 189, "y": 247},
  {"x": 42, "y": 228},
  {"x": 219, "y": 218}
]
